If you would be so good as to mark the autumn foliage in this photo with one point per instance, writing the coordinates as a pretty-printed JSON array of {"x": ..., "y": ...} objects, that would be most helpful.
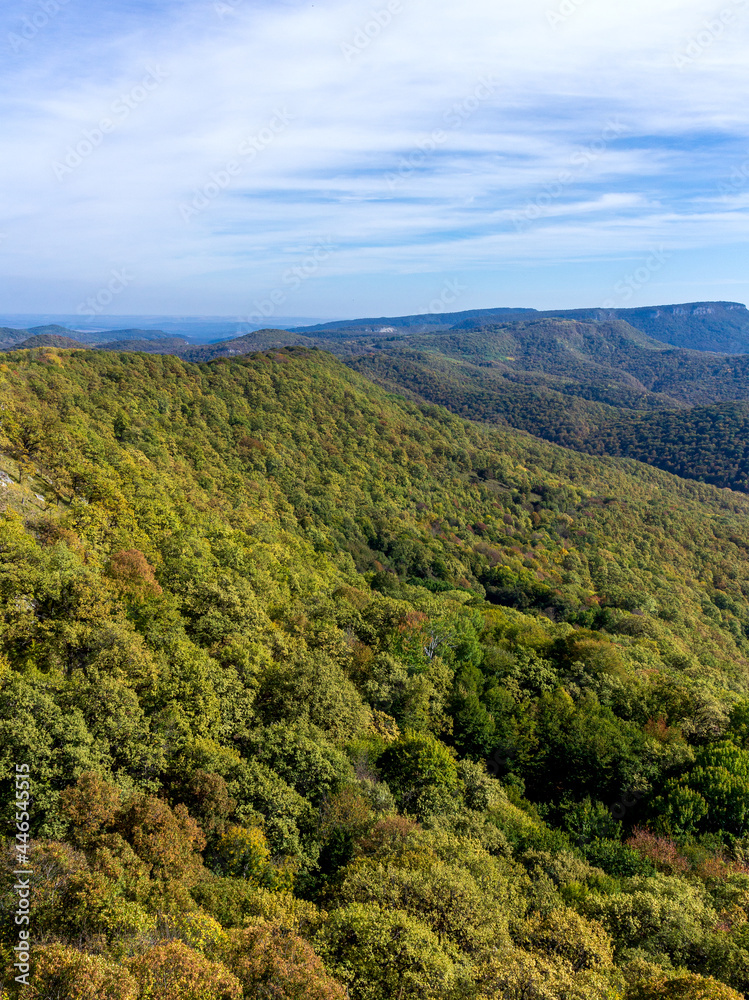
[
  {"x": 331, "y": 696},
  {"x": 275, "y": 964}
]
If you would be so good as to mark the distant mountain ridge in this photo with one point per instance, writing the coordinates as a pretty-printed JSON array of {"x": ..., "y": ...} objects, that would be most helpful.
[
  {"x": 12, "y": 339},
  {"x": 417, "y": 323},
  {"x": 716, "y": 327},
  {"x": 721, "y": 327},
  {"x": 607, "y": 382}
]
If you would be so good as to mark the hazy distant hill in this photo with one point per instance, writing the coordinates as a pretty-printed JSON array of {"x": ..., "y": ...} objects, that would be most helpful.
[
  {"x": 164, "y": 345},
  {"x": 11, "y": 339},
  {"x": 105, "y": 336},
  {"x": 261, "y": 340},
  {"x": 702, "y": 326},
  {"x": 48, "y": 340},
  {"x": 149, "y": 341}
]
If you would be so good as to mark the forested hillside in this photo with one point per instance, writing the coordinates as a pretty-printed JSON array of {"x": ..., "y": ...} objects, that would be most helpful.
[
  {"x": 601, "y": 355},
  {"x": 590, "y": 385},
  {"x": 699, "y": 326},
  {"x": 599, "y": 388},
  {"x": 707, "y": 443},
  {"x": 326, "y": 693}
]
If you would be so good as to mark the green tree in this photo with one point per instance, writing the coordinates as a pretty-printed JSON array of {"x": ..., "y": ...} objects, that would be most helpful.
[
  {"x": 379, "y": 954},
  {"x": 713, "y": 796},
  {"x": 421, "y": 772}
]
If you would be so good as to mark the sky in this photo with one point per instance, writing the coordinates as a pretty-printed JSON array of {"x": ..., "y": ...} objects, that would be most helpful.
[{"x": 257, "y": 160}]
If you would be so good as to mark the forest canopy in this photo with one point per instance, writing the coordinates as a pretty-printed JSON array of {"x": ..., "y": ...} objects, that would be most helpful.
[{"x": 327, "y": 693}]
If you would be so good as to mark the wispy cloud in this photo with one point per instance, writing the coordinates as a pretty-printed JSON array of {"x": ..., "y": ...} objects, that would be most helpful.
[{"x": 351, "y": 122}]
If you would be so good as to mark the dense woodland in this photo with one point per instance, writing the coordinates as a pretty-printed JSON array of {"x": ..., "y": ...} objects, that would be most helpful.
[
  {"x": 590, "y": 381},
  {"x": 326, "y": 693},
  {"x": 702, "y": 326},
  {"x": 600, "y": 388},
  {"x": 580, "y": 357}
]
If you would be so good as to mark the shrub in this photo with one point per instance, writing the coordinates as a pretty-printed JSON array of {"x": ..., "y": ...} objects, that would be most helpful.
[
  {"x": 198, "y": 930},
  {"x": 381, "y": 954},
  {"x": 690, "y": 987},
  {"x": 175, "y": 972},
  {"x": 208, "y": 800},
  {"x": 273, "y": 963},
  {"x": 660, "y": 851},
  {"x": 90, "y": 805},
  {"x": 133, "y": 572},
  {"x": 519, "y": 975},
  {"x": 564, "y": 934},
  {"x": 169, "y": 840},
  {"x": 421, "y": 772},
  {"x": 59, "y": 971},
  {"x": 243, "y": 852}
]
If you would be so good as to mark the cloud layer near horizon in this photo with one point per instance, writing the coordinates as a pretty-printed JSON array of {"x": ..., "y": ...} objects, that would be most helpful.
[{"x": 536, "y": 152}]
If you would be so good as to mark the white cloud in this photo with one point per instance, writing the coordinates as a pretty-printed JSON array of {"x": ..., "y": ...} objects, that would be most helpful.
[{"x": 351, "y": 120}]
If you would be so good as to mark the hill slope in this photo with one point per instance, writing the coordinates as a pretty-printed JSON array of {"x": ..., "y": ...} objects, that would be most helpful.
[
  {"x": 579, "y": 384},
  {"x": 721, "y": 327},
  {"x": 259, "y": 340},
  {"x": 265, "y": 628},
  {"x": 595, "y": 387},
  {"x": 597, "y": 354},
  {"x": 11, "y": 339}
]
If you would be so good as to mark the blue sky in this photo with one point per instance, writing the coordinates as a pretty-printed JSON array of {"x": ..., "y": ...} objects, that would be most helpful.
[{"x": 253, "y": 159}]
